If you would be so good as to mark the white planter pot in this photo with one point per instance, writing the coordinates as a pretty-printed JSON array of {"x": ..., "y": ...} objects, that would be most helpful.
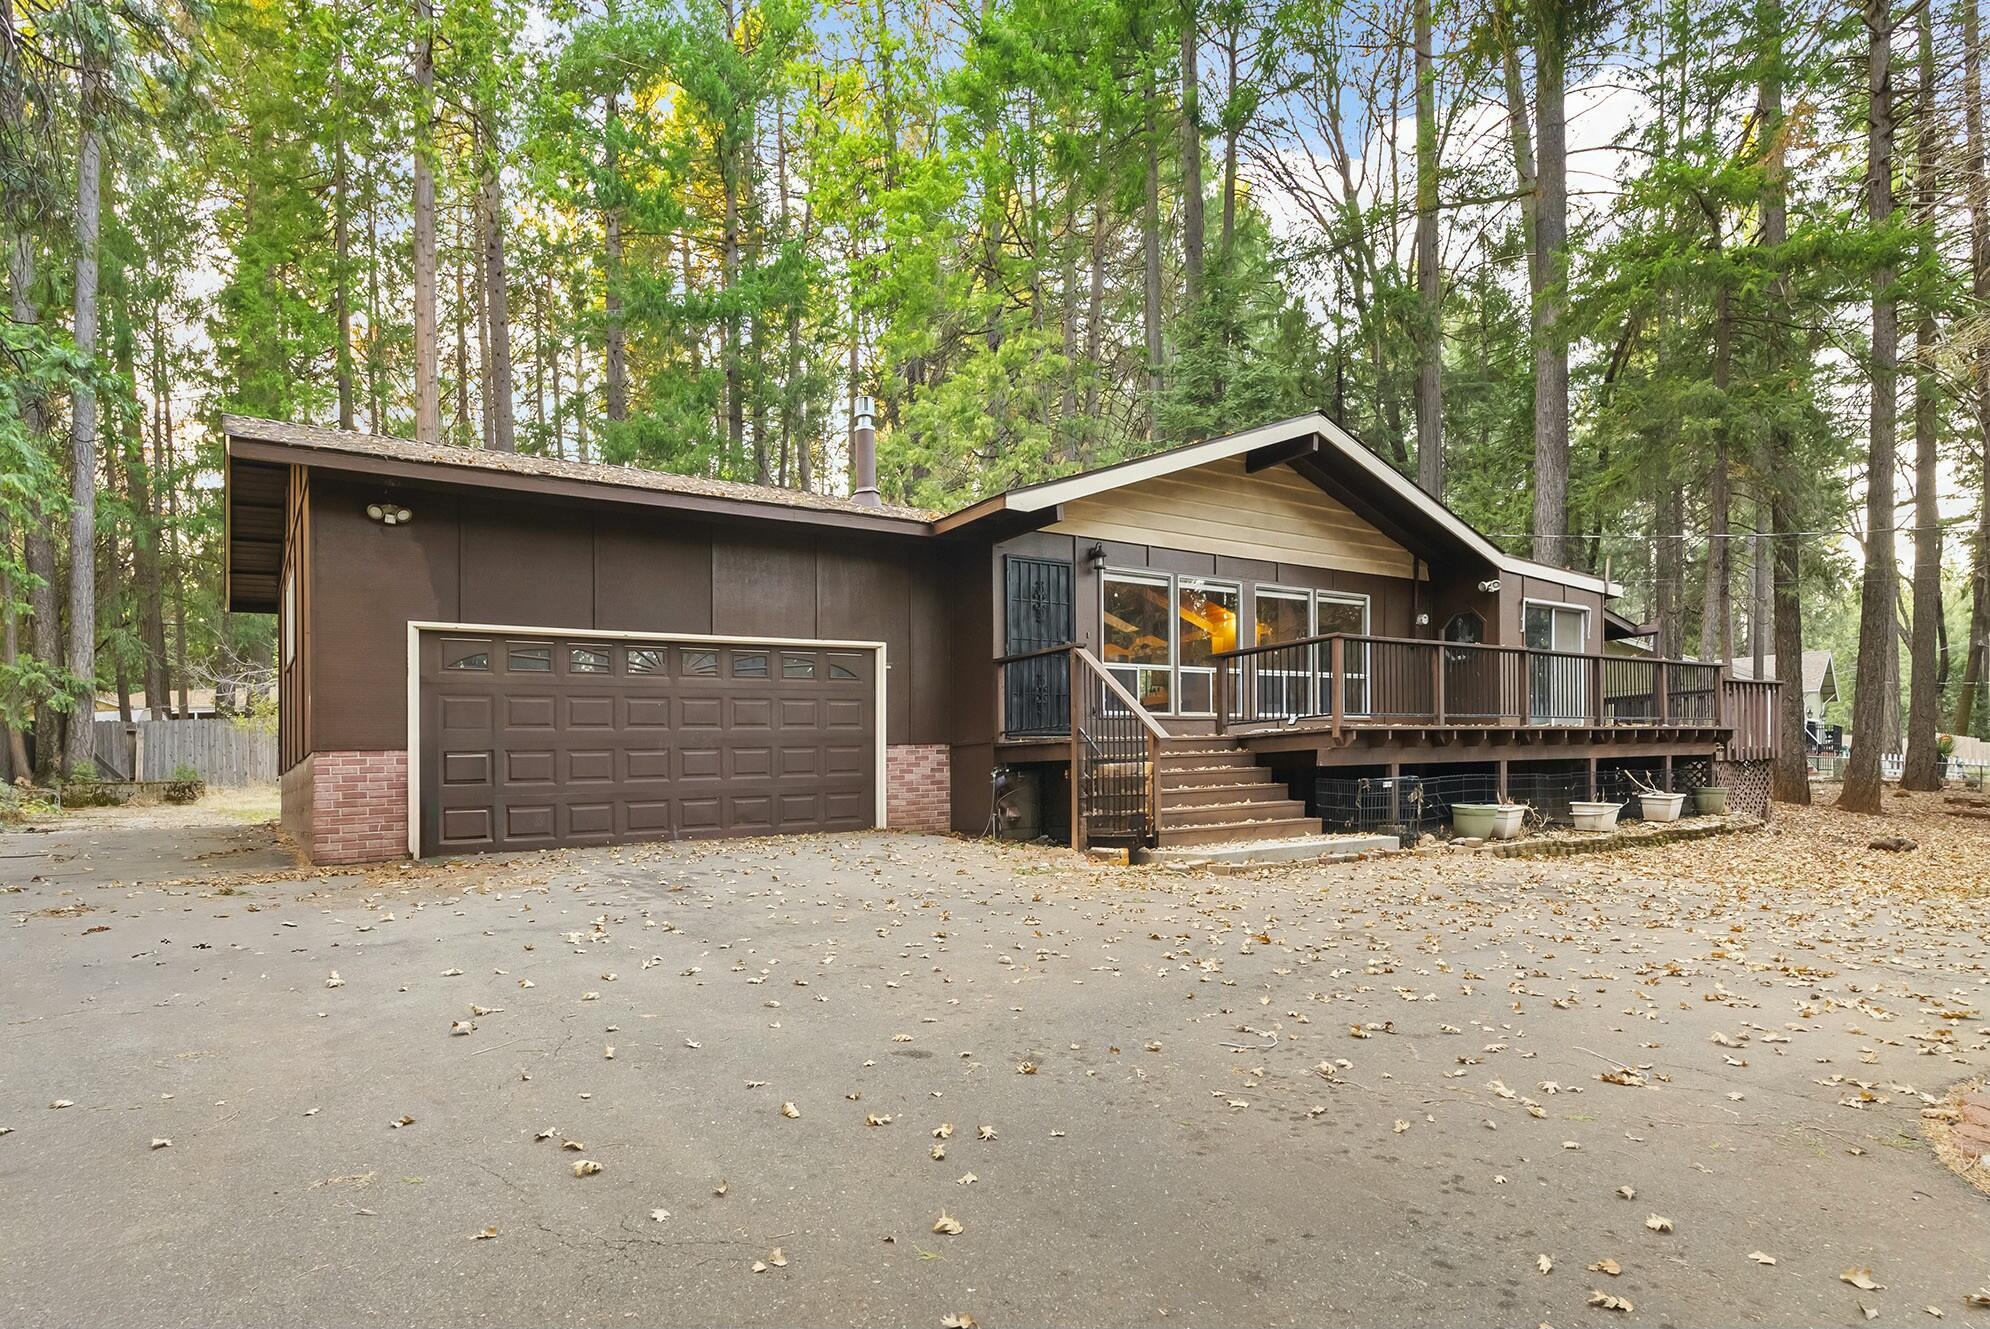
[
  {"x": 1660, "y": 807},
  {"x": 1595, "y": 816},
  {"x": 1490, "y": 821}
]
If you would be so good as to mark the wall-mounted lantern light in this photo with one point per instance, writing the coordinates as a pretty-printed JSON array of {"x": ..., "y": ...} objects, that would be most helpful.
[
  {"x": 1490, "y": 586},
  {"x": 1095, "y": 557},
  {"x": 389, "y": 514}
]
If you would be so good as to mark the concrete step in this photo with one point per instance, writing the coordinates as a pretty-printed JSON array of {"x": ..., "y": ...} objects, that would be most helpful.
[
  {"x": 1214, "y": 832},
  {"x": 1253, "y": 791},
  {"x": 1189, "y": 777},
  {"x": 1290, "y": 849}
]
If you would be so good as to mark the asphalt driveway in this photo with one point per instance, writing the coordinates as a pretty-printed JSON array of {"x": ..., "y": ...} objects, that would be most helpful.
[{"x": 1361, "y": 1094}]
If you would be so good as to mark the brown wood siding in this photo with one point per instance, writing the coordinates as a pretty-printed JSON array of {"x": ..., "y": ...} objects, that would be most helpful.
[
  {"x": 293, "y": 719},
  {"x": 470, "y": 560}
]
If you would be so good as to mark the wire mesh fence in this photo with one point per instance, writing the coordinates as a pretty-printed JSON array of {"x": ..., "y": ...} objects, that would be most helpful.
[{"x": 1414, "y": 803}]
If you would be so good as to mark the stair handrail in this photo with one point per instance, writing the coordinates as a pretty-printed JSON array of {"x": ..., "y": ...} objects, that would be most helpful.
[{"x": 1083, "y": 660}]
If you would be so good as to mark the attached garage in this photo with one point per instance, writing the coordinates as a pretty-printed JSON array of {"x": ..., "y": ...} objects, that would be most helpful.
[{"x": 528, "y": 740}]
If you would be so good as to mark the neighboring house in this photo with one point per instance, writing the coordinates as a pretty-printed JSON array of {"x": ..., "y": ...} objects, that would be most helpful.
[
  {"x": 1820, "y": 680},
  {"x": 200, "y": 704},
  {"x": 489, "y": 651}
]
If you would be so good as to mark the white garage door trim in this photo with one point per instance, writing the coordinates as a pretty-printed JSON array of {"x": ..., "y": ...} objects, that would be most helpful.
[{"x": 418, "y": 626}]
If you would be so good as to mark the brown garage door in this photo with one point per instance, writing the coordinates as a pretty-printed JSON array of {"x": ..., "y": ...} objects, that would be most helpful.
[{"x": 528, "y": 741}]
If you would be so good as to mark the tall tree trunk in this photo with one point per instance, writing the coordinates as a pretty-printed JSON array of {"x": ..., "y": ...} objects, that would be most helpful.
[
  {"x": 1717, "y": 604},
  {"x": 1877, "y": 648},
  {"x": 152, "y": 585},
  {"x": 80, "y": 748},
  {"x": 376, "y": 371},
  {"x": 1669, "y": 573},
  {"x": 1192, "y": 221},
  {"x": 465, "y": 314},
  {"x": 614, "y": 335},
  {"x": 1551, "y": 356},
  {"x": 1976, "y": 660},
  {"x": 1150, "y": 253},
  {"x": 1761, "y": 614},
  {"x": 1230, "y": 133},
  {"x": 1790, "y": 782},
  {"x": 1430, "y": 317},
  {"x": 1095, "y": 308},
  {"x": 480, "y": 293},
  {"x": 428, "y": 360},
  {"x": 37, "y": 543},
  {"x": 341, "y": 227},
  {"x": 580, "y": 399},
  {"x": 497, "y": 299},
  {"x": 1921, "y": 766}
]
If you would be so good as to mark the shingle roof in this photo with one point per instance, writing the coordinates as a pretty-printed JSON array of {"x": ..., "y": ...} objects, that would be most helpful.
[
  {"x": 354, "y": 443},
  {"x": 1816, "y": 669}
]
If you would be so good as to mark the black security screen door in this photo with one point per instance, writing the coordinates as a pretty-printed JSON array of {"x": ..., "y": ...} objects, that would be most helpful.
[{"x": 1038, "y": 595}]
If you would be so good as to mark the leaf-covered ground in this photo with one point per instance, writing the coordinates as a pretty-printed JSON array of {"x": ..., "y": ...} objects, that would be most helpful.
[{"x": 884, "y": 1079}]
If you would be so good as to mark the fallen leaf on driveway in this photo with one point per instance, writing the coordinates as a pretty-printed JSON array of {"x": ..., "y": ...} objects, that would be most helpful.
[
  {"x": 162, "y": 1143},
  {"x": 403, "y": 1120},
  {"x": 777, "y": 1259},
  {"x": 944, "y": 1131},
  {"x": 461, "y": 1027},
  {"x": 1610, "y": 1303},
  {"x": 62, "y": 1103},
  {"x": 335, "y": 981},
  {"x": 790, "y": 1111},
  {"x": 1610, "y": 1267},
  {"x": 1862, "y": 1279},
  {"x": 1627, "y": 1193},
  {"x": 658, "y": 1215},
  {"x": 966, "y": 1179},
  {"x": 1657, "y": 1224},
  {"x": 1544, "y": 1264},
  {"x": 958, "y": 1320},
  {"x": 985, "y": 1132},
  {"x": 947, "y": 1225},
  {"x": 722, "y": 1188},
  {"x": 1760, "y": 1258},
  {"x": 586, "y": 1167},
  {"x": 873, "y": 1119},
  {"x": 488, "y": 1234}
]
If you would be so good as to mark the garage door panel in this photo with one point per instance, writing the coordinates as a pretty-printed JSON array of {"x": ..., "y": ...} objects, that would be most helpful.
[
  {"x": 528, "y": 712},
  {"x": 530, "y": 821},
  {"x": 646, "y": 712},
  {"x": 591, "y": 766},
  {"x": 532, "y": 742},
  {"x": 466, "y": 768},
  {"x": 528, "y": 767},
  {"x": 591, "y": 713}
]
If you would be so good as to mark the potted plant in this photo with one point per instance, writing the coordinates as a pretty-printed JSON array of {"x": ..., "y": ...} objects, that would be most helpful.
[
  {"x": 1710, "y": 800},
  {"x": 1487, "y": 821},
  {"x": 1595, "y": 816},
  {"x": 1654, "y": 804}
]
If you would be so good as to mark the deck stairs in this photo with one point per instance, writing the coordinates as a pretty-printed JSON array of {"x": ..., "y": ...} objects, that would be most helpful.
[{"x": 1212, "y": 791}]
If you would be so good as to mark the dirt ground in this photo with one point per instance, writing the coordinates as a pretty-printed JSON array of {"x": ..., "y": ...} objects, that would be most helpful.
[{"x": 1687, "y": 1084}]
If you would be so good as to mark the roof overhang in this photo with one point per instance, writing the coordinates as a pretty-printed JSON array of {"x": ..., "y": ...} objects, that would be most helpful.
[{"x": 255, "y": 499}]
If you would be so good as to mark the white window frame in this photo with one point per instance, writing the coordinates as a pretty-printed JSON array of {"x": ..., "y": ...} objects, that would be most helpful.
[
  {"x": 1359, "y": 670},
  {"x": 1582, "y": 682},
  {"x": 1143, "y": 577},
  {"x": 1307, "y": 596},
  {"x": 1201, "y": 583},
  {"x": 289, "y": 617}
]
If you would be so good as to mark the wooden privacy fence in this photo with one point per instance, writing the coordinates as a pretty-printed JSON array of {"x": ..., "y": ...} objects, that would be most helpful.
[{"x": 224, "y": 752}]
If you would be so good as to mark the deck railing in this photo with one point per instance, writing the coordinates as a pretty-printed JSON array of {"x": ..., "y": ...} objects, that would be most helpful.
[
  {"x": 1064, "y": 691},
  {"x": 1369, "y": 682},
  {"x": 1750, "y": 706}
]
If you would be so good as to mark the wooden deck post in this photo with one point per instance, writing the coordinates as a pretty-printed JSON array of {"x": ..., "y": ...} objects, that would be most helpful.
[
  {"x": 1663, "y": 700},
  {"x": 1077, "y": 802},
  {"x": 1667, "y": 786},
  {"x": 1222, "y": 697},
  {"x": 1395, "y": 793},
  {"x": 1336, "y": 660},
  {"x": 1592, "y": 779},
  {"x": 1499, "y": 792},
  {"x": 1437, "y": 684}
]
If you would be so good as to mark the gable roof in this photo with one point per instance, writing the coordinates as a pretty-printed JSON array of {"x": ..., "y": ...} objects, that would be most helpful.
[
  {"x": 1820, "y": 674},
  {"x": 1319, "y": 449}
]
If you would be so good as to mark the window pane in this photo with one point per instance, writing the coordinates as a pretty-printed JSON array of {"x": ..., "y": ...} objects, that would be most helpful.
[
  {"x": 1208, "y": 621},
  {"x": 466, "y": 655},
  {"x": 749, "y": 664},
  {"x": 529, "y": 660},
  {"x": 1281, "y": 617},
  {"x": 838, "y": 668},
  {"x": 587, "y": 660},
  {"x": 645, "y": 660},
  {"x": 797, "y": 666},
  {"x": 1568, "y": 629},
  {"x": 1540, "y": 627},
  {"x": 1137, "y": 618},
  {"x": 1343, "y": 615},
  {"x": 701, "y": 664}
]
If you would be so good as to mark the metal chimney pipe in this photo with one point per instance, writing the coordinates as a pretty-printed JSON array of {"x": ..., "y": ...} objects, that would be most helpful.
[{"x": 864, "y": 454}]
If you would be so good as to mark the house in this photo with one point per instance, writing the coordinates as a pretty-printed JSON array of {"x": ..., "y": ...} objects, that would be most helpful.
[
  {"x": 482, "y": 651},
  {"x": 1820, "y": 680}
]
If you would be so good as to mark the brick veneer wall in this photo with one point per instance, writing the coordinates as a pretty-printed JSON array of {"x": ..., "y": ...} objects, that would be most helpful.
[
  {"x": 295, "y": 785},
  {"x": 359, "y": 807},
  {"x": 918, "y": 787}
]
